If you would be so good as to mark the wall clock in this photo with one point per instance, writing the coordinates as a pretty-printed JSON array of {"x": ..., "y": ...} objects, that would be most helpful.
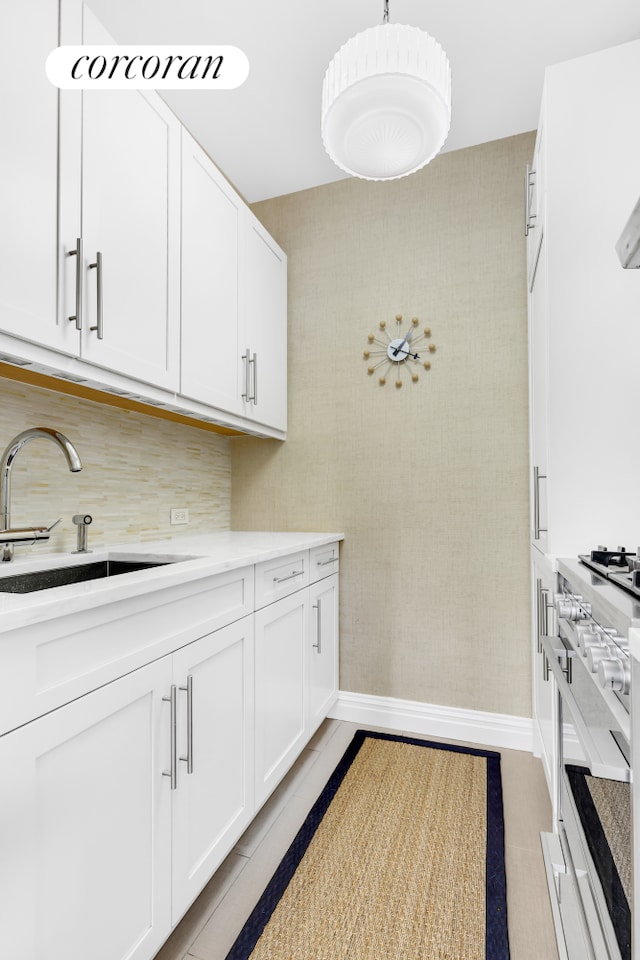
[{"x": 404, "y": 351}]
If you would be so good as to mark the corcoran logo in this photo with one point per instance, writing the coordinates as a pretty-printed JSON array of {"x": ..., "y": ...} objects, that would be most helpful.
[{"x": 111, "y": 67}]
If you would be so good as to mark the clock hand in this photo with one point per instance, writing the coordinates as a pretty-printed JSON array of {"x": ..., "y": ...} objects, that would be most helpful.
[
  {"x": 406, "y": 339},
  {"x": 414, "y": 356}
]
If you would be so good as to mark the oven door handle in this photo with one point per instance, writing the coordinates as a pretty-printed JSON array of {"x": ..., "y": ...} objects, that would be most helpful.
[{"x": 602, "y": 752}]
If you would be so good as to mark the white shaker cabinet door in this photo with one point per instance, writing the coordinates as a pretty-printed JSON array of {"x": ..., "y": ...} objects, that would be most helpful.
[
  {"x": 323, "y": 649},
  {"x": 539, "y": 400},
  {"x": 84, "y": 822},
  {"x": 281, "y": 631},
  {"x": 210, "y": 349},
  {"x": 544, "y": 685},
  {"x": 28, "y": 173},
  {"x": 130, "y": 224},
  {"x": 213, "y": 802},
  {"x": 263, "y": 311}
]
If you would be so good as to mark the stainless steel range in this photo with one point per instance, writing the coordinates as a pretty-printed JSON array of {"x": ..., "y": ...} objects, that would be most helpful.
[{"x": 589, "y": 858}]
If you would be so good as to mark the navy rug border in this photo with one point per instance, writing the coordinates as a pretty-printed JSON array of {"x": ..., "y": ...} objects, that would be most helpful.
[{"x": 497, "y": 941}]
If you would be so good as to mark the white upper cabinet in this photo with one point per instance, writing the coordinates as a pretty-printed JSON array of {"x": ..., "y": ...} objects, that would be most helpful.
[
  {"x": 263, "y": 307},
  {"x": 211, "y": 227},
  {"x": 29, "y": 174},
  {"x": 583, "y": 306},
  {"x": 125, "y": 211},
  {"x": 234, "y": 299},
  {"x": 127, "y": 260}
]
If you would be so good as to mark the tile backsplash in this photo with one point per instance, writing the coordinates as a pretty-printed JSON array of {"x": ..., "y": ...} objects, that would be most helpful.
[{"x": 135, "y": 469}]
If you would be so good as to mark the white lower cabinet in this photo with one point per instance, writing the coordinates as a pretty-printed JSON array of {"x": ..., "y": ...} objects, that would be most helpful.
[
  {"x": 213, "y": 799},
  {"x": 323, "y": 649},
  {"x": 99, "y": 826},
  {"x": 117, "y": 807},
  {"x": 296, "y": 649},
  {"x": 280, "y": 689},
  {"x": 85, "y": 822},
  {"x": 544, "y": 687}
]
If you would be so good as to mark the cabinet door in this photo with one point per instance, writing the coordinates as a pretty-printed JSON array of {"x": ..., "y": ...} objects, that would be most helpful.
[
  {"x": 280, "y": 689},
  {"x": 544, "y": 687},
  {"x": 130, "y": 227},
  {"x": 29, "y": 168},
  {"x": 264, "y": 325},
  {"x": 84, "y": 826},
  {"x": 210, "y": 229},
  {"x": 535, "y": 203},
  {"x": 213, "y": 802},
  {"x": 323, "y": 649},
  {"x": 539, "y": 400}
]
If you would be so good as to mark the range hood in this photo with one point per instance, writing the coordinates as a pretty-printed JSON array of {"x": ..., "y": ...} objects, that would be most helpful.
[{"x": 628, "y": 246}]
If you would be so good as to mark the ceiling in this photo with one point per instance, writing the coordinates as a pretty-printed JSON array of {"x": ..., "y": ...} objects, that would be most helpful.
[{"x": 265, "y": 135}]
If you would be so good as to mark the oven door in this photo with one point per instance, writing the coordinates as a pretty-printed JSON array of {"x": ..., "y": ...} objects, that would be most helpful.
[{"x": 588, "y": 860}]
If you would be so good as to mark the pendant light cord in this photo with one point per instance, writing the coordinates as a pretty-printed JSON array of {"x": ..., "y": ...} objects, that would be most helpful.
[{"x": 385, "y": 17}]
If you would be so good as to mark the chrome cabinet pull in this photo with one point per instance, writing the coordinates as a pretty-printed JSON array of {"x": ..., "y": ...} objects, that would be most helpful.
[
  {"x": 79, "y": 255},
  {"x": 97, "y": 266},
  {"x": 254, "y": 396},
  {"x": 245, "y": 389},
  {"x": 318, "y": 608},
  {"x": 172, "y": 772},
  {"x": 249, "y": 394},
  {"x": 290, "y": 576},
  {"x": 537, "y": 477},
  {"x": 324, "y": 563},
  {"x": 528, "y": 216},
  {"x": 539, "y": 629},
  {"x": 189, "y": 691}
]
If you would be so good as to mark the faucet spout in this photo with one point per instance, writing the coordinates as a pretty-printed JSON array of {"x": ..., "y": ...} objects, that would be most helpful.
[{"x": 6, "y": 462}]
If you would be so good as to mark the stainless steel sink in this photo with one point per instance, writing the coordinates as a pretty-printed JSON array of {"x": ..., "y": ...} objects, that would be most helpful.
[{"x": 78, "y": 573}]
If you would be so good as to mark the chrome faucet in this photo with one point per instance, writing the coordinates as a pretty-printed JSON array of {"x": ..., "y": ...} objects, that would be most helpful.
[{"x": 9, "y": 536}]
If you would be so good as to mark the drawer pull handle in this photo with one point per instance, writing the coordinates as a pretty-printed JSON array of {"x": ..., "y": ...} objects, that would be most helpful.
[
  {"x": 290, "y": 576},
  {"x": 249, "y": 362},
  {"x": 77, "y": 317},
  {"x": 99, "y": 325},
  {"x": 325, "y": 563},
  {"x": 318, "y": 608},
  {"x": 537, "y": 477},
  {"x": 172, "y": 772},
  {"x": 189, "y": 691}
]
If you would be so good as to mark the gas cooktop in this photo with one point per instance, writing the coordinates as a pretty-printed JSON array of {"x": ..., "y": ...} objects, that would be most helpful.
[{"x": 620, "y": 566}]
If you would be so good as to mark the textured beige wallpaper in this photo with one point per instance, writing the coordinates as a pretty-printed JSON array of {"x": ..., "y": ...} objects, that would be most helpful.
[
  {"x": 135, "y": 468},
  {"x": 429, "y": 482}
]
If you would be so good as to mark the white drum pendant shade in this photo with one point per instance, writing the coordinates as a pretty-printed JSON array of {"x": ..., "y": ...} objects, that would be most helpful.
[{"x": 386, "y": 102}]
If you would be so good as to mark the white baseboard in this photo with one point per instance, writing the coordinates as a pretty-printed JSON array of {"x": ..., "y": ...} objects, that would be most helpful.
[{"x": 427, "y": 719}]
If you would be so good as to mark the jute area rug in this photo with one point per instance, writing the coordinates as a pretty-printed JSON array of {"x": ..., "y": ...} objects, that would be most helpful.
[{"x": 401, "y": 858}]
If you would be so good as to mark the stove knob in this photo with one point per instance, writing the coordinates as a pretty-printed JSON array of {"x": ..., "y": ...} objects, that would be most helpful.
[
  {"x": 569, "y": 609},
  {"x": 590, "y": 641},
  {"x": 582, "y": 629},
  {"x": 595, "y": 656},
  {"x": 615, "y": 675}
]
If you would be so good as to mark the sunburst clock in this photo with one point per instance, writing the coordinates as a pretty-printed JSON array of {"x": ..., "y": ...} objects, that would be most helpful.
[{"x": 394, "y": 355}]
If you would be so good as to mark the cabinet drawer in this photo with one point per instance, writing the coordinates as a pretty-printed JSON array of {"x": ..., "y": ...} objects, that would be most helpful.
[
  {"x": 280, "y": 577},
  {"x": 323, "y": 561}
]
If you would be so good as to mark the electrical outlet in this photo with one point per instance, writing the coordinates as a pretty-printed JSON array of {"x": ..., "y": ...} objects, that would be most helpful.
[{"x": 179, "y": 515}]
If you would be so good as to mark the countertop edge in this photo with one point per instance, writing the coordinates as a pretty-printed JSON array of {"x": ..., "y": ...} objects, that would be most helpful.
[{"x": 211, "y": 554}]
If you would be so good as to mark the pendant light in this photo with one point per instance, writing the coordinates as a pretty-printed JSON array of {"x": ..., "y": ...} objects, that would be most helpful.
[{"x": 386, "y": 102}]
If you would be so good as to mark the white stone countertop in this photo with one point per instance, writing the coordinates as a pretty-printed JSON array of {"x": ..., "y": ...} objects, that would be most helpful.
[{"x": 205, "y": 555}]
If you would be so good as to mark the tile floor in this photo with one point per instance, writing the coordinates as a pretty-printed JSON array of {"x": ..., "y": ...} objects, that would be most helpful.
[{"x": 210, "y": 927}]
